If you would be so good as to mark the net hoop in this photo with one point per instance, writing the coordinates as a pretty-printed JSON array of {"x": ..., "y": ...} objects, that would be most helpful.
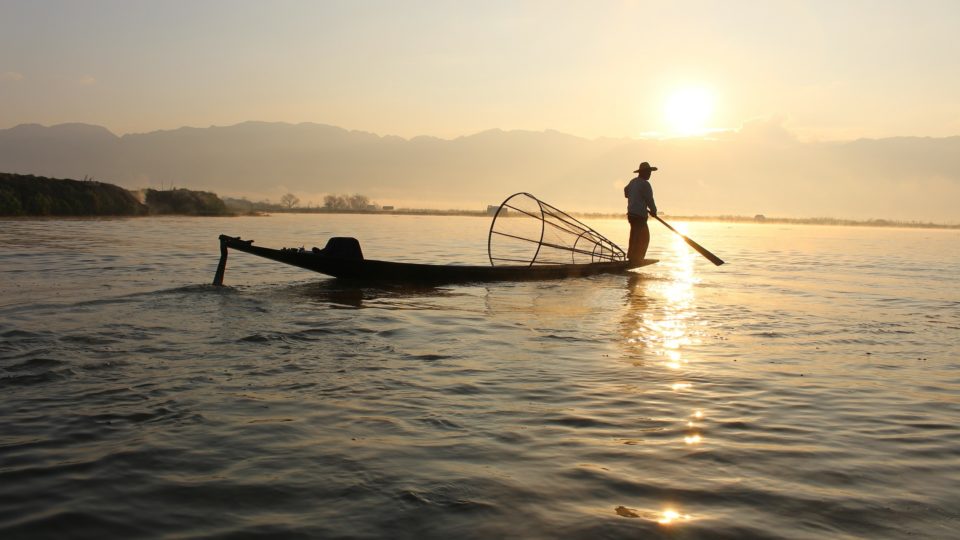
[{"x": 523, "y": 224}]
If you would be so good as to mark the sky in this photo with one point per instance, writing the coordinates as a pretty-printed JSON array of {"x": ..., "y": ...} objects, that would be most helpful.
[{"x": 826, "y": 70}]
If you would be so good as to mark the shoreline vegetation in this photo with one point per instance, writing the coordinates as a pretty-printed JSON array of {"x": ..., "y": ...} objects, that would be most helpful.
[
  {"x": 38, "y": 196},
  {"x": 28, "y": 195}
]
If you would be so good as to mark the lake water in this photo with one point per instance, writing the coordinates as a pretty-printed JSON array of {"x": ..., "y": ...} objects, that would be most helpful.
[{"x": 808, "y": 389}]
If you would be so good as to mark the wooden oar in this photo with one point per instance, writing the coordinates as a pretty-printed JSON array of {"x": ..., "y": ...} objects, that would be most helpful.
[{"x": 700, "y": 249}]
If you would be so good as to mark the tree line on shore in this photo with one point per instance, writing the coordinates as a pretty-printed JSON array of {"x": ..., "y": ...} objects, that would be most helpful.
[
  {"x": 185, "y": 202},
  {"x": 29, "y": 195},
  {"x": 291, "y": 203}
]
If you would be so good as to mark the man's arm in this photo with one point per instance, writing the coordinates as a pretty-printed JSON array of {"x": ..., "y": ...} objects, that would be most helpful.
[{"x": 651, "y": 204}]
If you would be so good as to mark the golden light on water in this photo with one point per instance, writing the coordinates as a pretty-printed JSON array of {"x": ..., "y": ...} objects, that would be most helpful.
[
  {"x": 657, "y": 313},
  {"x": 673, "y": 328},
  {"x": 693, "y": 436},
  {"x": 668, "y": 516},
  {"x": 671, "y": 516},
  {"x": 661, "y": 318}
]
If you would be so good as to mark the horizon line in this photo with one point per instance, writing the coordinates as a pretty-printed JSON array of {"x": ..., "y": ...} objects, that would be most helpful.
[{"x": 707, "y": 135}]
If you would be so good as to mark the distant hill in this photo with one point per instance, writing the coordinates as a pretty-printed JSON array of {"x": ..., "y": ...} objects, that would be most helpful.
[
  {"x": 28, "y": 195},
  {"x": 23, "y": 195},
  {"x": 760, "y": 169},
  {"x": 185, "y": 202}
]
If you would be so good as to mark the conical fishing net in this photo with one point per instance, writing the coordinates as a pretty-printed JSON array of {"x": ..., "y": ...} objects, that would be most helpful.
[{"x": 528, "y": 231}]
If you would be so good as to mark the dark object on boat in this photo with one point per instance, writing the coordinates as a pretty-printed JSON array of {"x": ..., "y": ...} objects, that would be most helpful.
[
  {"x": 549, "y": 243},
  {"x": 342, "y": 247}
]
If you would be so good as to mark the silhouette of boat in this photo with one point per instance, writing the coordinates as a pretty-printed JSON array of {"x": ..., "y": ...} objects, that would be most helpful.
[{"x": 535, "y": 240}]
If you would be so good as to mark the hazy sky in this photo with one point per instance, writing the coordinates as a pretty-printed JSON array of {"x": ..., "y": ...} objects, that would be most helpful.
[{"x": 830, "y": 69}]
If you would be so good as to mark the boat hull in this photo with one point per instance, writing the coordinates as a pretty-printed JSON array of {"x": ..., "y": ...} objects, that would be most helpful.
[{"x": 385, "y": 271}]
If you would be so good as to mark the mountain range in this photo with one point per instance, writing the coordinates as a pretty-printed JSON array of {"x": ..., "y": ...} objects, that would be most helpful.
[{"x": 759, "y": 169}]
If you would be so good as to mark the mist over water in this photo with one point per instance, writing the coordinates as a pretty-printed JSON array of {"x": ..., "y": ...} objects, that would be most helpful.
[{"x": 807, "y": 389}]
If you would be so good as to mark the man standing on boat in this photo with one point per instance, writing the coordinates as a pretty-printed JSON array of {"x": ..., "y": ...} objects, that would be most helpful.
[{"x": 639, "y": 196}]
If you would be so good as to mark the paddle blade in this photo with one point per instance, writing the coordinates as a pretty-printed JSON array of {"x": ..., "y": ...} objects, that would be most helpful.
[
  {"x": 700, "y": 249},
  {"x": 703, "y": 251}
]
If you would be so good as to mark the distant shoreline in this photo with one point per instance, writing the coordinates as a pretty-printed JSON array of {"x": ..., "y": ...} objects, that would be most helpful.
[
  {"x": 893, "y": 224},
  {"x": 32, "y": 197},
  {"x": 27, "y": 195},
  {"x": 594, "y": 215}
]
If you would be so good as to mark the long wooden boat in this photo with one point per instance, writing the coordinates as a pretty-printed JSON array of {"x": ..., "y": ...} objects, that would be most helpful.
[
  {"x": 562, "y": 247},
  {"x": 385, "y": 271}
]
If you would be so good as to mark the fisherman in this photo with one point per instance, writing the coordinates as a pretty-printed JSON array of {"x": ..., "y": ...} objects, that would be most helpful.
[{"x": 639, "y": 196}]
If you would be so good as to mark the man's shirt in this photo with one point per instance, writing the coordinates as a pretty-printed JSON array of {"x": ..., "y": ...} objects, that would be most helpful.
[{"x": 639, "y": 195}]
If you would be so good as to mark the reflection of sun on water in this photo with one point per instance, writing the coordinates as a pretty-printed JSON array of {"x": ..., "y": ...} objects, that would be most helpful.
[
  {"x": 671, "y": 516},
  {"x": 666, "y": 328},
  {"x": 659, "y": 319},
  {"x": 678, "y": 292},
  {"x": 693, "y": 435},
  {"x": 660, "y": 323},
  {"x": 668, "y": 516}
]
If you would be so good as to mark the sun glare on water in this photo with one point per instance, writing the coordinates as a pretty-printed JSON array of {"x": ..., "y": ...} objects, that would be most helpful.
[{"x": 688, "y": 110}]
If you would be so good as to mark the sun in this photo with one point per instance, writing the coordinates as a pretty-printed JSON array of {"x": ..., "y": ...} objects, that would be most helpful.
[{"x": 688, "y": 110}]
